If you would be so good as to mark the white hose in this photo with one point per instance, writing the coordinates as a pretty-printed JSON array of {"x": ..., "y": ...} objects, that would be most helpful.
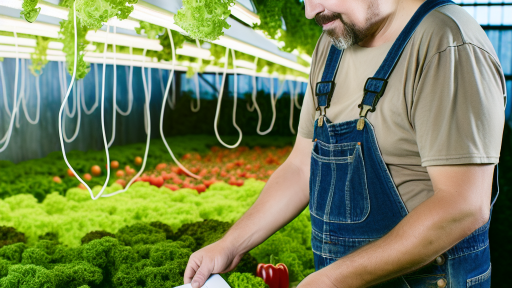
[
  {"x": 129, "y": 80},
  {"x": 22, "y": 91},
  {"x": 7, "y": 137},
  {"x": 172, "y": 100},
  {"x": 148, "y": 139},
  {"x": 296, "y": 96},
  {"x": 254, "y": 88},
  {"x": 102, "y": 116},
  {"x": 273, "y": 101},
  {"x": 80, "y": 83},
  {"x": 78, "y": 120},
  {"x": 4, "y": 89},
  {"x": 38, "y": 107},
  {"x": 147, "y": 90},
  {"x": 63, "y": 80},
  {"x": 198, "y": 96},
  {"x": 292, "y": 107},
  {"x": 171, "y": 74},
  {"x": 114, "y": 93},
  {"x": 219, "y": 101}
]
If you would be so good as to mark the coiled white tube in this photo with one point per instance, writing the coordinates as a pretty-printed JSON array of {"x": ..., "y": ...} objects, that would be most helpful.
[
  {"x": 76, "y": 96},
  {"x": 254, "y": 88},
  {"x": 273, "y": 101},
  {"x": 102, "y": 117},
  {"x": 22, "y": 91},
  {"x": 162, "y": 112},
  {"x": 296, "y": 96},
  {"x": 171, "y": 101},
  {"x": 63, "y": 80},
  {"x": 38, "y": 106},
  {"x": 219, "y": 101},
  {"x": 198, "y": 95},
  {"x": 147, "y": 90},
  {"x": 80, "y": 83},
  {"x": 129, "y": 80},
  {"x": 292, "y": 107},
  {"x": 148, "y": 139},
  {"x": 114, "y": 93},
  {"x": 4, "y": 89},
  {"x": 7, "y": 137}
]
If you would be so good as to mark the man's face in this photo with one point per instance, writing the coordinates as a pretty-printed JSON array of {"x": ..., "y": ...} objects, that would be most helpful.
[{"x": 347, "y": 22}]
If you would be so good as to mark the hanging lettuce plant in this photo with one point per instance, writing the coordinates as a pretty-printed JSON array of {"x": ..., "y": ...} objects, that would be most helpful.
[
  {"x": 94, "y": 13},
  {"x": 39, "y": 57},
  {"x": 204, "y": 19},
  {"x": 151, "y": 30},
  {"x": 30, "y": 12},
  {"x": 67, "y": 30}
]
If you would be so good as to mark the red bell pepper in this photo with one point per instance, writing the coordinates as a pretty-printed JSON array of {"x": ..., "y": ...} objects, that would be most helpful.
[{"x": 274, "y": 276}]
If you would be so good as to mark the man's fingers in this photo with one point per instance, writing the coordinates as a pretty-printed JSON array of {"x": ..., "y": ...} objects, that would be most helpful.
[
  {"x": 190, "y": 271},
  {"x": 202, "y": 274}
]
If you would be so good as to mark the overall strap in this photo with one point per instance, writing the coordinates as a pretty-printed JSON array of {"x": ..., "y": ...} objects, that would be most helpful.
[
  {"x": 376, "y": 85},
  {"x": 325, "y": 87}
]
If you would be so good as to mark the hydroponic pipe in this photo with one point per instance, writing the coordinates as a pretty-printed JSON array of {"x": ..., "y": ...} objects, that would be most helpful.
[
  {"x": 219, "y": 101},
  {"x": 102, "y": 116},
  {"x": 162, "y": 112},
  {"x": 273, "y": 101},
  {"x": 79, "y": 117},
  {"x": 62, "y": 79},
  {"x": 7, "y": 137},
  {"x": 80, "y": 84},
  {"x": 254, "y": 88},
  {"x": 296, "y": 95},
  {"x": 198, "y": 95},
  {"x": 129, "y": 81},
  {"x": 148, "y": 139},
  {"x": 4, "y": 89},
  {"x": 114, "y": 93},
  {"x": 147, "y": 90},
  {"x": 22, "y": 92},
  {"x": 38, "y": 109}
]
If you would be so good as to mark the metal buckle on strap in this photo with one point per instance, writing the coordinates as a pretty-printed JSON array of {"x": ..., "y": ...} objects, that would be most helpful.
[{"x": 325, "y": 88}]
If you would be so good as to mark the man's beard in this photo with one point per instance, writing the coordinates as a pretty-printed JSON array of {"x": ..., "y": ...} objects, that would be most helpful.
[{"x": 349, "y": 34}]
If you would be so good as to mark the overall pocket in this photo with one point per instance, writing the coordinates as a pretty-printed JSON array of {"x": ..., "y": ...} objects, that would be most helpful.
[{"x": 338, "y": 189}]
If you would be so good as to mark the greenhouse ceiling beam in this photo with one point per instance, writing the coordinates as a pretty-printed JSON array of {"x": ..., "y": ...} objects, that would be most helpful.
[
  {"x": 10, "y": 24},
  {"x": 47, "y": 8},
  {"x": 245, "y": 15}
]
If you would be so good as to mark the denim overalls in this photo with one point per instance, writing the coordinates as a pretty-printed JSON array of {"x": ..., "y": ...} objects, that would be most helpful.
[{"x": 353, "y": 199}]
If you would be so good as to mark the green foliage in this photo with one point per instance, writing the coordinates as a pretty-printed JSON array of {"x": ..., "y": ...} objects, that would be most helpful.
[
  {"x": 29, "y": 10},
  {"x": 140, "y": 233},
  {"x": 204, "y": 233},
  {"x": 94, "y": 13},
  {"x": 151, "y": 30},
  {"x": 204, "y": 19},
  {"x": 239, "y": 280},
  {"x": 39, "y": 57},
  {"x": 300, "y": 33},
  {"x": 94, "y": 235},
  {"x": 67, "y": 31},
  {"x": 9, "y": 235}
]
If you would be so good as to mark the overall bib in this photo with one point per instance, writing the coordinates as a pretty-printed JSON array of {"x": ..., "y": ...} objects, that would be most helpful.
[{"x": 353, "y": 199}]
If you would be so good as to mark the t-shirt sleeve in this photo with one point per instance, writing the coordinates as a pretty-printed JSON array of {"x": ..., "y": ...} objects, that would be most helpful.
[
  {"x": 458, "y": 111},
  {"x": 307, "y": 115}
]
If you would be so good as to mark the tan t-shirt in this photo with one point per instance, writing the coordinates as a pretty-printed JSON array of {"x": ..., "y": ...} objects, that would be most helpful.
[{"x": 444, "y": 103}]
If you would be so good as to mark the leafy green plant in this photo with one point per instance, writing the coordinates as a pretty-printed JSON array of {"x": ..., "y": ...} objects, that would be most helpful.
[
  {"x": 39, "y": 57},
  {"x": 94, "y": 13},
  {"x": 30, "y": 12},
  {"x": 67, "y": 31},
  {"x": 151, "y": 30},
  {"x": 204, "y": 19}
]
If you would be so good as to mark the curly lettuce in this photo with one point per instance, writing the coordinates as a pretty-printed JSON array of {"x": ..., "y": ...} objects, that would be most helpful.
[
  {"x": 204, "y": 19},
  {"x": 39, "y": 57},
  {"x": 30, "y": 12}
]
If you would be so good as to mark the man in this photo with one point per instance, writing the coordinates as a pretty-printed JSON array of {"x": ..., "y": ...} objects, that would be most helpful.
[{"x": 399, "y": 192}]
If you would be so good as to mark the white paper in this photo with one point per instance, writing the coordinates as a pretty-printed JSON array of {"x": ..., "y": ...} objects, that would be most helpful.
[{"x": 215, "y": 281}]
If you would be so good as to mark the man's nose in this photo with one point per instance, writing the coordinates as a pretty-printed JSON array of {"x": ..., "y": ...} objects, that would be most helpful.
[{"x": 313, "y": 7}]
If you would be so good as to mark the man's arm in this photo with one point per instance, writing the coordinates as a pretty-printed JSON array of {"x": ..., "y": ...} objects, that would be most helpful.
[
  {"x": 460, "y": 204},
  {"x": 283, "y": 198}
]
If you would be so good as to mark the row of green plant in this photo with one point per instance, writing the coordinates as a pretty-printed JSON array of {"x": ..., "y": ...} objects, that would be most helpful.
[
  {"x": 70, "y": 219},
  {"x": 203, "y": 20}
]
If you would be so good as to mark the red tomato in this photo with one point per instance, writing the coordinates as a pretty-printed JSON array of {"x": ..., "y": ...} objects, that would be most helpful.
[
  {"x": 57, "y": 180},
  {"x": 177, "y": 181},
  {"x": 120, "y": 173},
  {"x": 87, "y": 177},
  {"x": 248, "y": 167},
  {"x": 172, "y": 187},
  {"x": 186, "y": 156},
  {"x": 82, "y": 186},
  {"x": 96, "y": 170},
  {"x": 138, "y": 161},
  {"x": 121, "y": 182},
  {"x": 203, "y": 173},
  {"x": 161, "y": 166},
  {"x": 232, "y": 181},
  {"x": 167, "y": 176},
  {"x": 223, "y": 174},
  {"x": 114, "y": 164},
  {"x": 201, "y": 188},
  {"x": 239, "y": 182},
  {"x": 194, "y": 170},
  {"x": 70, "y": 173},
  {"x": 156, "y": 181},
  {"x": 144, "y": 178},
  {"x": 215, "y": 170}
]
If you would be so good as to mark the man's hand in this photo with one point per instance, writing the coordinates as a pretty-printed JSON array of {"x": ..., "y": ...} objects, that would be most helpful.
[
  {"x": 218, "y": 257},
  {"x": 284, "y": 197}
]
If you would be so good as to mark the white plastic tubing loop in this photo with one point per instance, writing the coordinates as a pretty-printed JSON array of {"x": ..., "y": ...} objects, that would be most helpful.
[
  {"x": 77, "y": 97},
  {"x": 170, "y": 100},
  {"x": 38, "y": 105},
  {"x": 114, "y": 93},
  {"x": 219, "y": 101},
  {"x": 254, "y": 88},
  {"x": 102, "y": 117},
  {"x": 129, "y": 81},
  {"x": 147, "y": 90},
  {"x": 296, "y": 95},
  {"x": 7, "y": 137},
  {"x": 198, "y": 95},
  {"x": 148, "y": 139},
  {"x": 292, "y": 106},
  {"x": 80, "y": 83},
  {"x": 162, "y": 112},
  {"x": 273, "y": 100},
  {"x": 4, "y": 89},
  {"x": 63, "y": 80},
  {"x": 21, "y": 95}
]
